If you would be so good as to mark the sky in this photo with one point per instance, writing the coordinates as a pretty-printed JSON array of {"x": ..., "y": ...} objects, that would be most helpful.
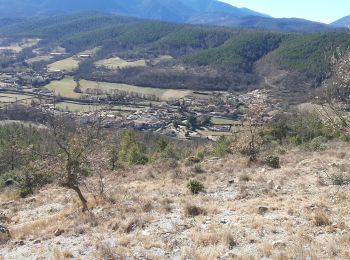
[{"x": 325, "y": 11}]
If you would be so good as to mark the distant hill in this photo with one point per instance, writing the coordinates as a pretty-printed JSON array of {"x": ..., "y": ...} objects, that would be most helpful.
[
  {"x": 210, "y": 12},
  {"x": 213, "y": 6},
  {"x": 168, "y": 10},
  {"x": 343, "y": 22},
  {"x": 259, "y": 22},
  {"x": 197, "y": 44}
]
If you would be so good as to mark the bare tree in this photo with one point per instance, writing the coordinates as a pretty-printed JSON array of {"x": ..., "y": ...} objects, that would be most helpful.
[
  {"x": 74, "y": 140},
  {"x": 336, "y": 96},
  {"x": 249, "y": 142},
  {"x": 336, "y": 111}
]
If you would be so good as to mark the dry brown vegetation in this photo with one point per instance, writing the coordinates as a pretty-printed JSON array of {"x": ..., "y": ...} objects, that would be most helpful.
[{"x": 148, "y": 212}]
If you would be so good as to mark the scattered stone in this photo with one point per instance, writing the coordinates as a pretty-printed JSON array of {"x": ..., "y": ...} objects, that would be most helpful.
[
  {"x": 4, "y": 234},
  {"x": 4, "y": 218},
  {"x": 58, "y": 232},
  {"x": 30, "y": 200},
  {"x": 20, "y": 243},
  {"x": 231, "y": 181},
  {"x": 223, "y": 221},
  {"x": 270, "y": 184},
  {"x": 278, "y": 187},
  {"x": 37, "y": 241},
  {"x": 262, "y": 210},
  {"x": 278, "y": 244}
]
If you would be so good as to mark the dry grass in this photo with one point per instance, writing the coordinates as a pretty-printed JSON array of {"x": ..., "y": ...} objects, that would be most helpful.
[
  {"x": 193, "y": 210},
  {"x": 69, "y": 64},
  {"x": 153, "y": 215},
  {"x": 321, "y": 219}
]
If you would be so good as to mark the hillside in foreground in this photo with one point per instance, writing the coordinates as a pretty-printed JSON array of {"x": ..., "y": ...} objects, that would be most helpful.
[{"x": 244, "y": 213}]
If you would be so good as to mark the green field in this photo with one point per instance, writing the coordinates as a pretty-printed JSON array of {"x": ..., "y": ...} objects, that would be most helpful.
[
  {"x": 83, "y": 108},
  {"x": 11, "y": 98},
  {"x": 222, "y": 121},
  {"x": 69, "y": 64},
  {"x": 14, "y": 98},
  {"x": 75, "y": 107},
  {"x": 39, "y": 59},
  {"x": 163, "y": 94},
  {"x": 66, "y": 86}
]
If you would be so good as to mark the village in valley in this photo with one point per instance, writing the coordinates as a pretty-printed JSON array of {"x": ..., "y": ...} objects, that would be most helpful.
[{"x": 46, "y": 79}]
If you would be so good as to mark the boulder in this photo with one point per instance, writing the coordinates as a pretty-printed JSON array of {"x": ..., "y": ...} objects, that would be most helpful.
[
  {"x": 278, "y": 187},
  {"x": 262, "y": 210},
  {"x": 278, "y": 244}
]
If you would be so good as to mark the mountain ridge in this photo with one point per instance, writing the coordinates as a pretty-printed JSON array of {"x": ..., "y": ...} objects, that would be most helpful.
[
  {"x": 342, "y": 22},
  {"x": 208, "y": 12}
]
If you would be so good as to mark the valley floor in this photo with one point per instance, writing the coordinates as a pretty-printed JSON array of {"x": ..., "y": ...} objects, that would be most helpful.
[{"x": 246, "y": 213}]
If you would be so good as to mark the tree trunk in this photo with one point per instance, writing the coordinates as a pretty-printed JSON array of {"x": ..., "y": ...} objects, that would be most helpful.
[{"x": 81, "y": 197}]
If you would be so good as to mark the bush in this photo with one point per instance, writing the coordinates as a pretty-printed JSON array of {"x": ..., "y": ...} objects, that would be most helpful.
[
  {"x": 26, "y": 180},
  {"x": 273, "y": 161},
  {"x": 130, "y": 151},
  {"x": 201, "y": 154},
  {"x": 316, "y": 144},
  {"x": 244, "y": 177},
  {"x": 321, "y": 219},
  {"x": 222, "y": 146},
  {"x": 162, "y": 144},
  {"x": 193, "y": 211},
  {"x": 192, "y": 160},
  {"x": 197, "y": 169},
  {"x": 195, "y": 187},
  {"x": 169, "y": 153}
]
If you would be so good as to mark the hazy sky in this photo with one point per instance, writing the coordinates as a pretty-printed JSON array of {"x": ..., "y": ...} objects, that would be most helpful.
[{"x": 326, "y": 11}]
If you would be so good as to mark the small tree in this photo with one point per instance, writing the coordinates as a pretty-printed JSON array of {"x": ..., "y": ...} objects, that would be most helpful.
[
  {"x": 252, "y": 121},
  {"x": 74, "y": 141},
  {"x": 192, "y": 123},
  {"x": 130, "y": 151},
  {"x": 77, "y": 88},
  {"x": 337, "y": 93}
]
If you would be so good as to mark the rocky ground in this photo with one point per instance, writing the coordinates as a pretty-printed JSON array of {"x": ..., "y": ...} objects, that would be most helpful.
[{"x": 246, "y": 212}]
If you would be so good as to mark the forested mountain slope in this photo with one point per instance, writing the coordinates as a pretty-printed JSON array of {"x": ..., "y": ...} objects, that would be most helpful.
[{"x": 212, "y": 57}]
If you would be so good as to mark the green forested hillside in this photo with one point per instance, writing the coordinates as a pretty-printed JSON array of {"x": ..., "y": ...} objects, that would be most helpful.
[
  {"x": 235, "y": 50},
  {"x": 197, "y": 38},
  {"x": 309, "y": 53},
  {"x": 240, "y": 51}
]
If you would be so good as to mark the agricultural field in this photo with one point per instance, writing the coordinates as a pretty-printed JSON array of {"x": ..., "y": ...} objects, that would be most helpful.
[
  {"x": 69, "y": 64},
  {"x": 14, "y": 98},
  {"x": 222, "y": 121},
  {"x": 118, "y": 63},
  {"x": 39, "y": 59},
  {"x": 19, "y": 46},
  {"x": 160, "y": 59},
  {"x": 85, "y": 108},
  {"x": 66, "y": 86},
  {"x": 75, "y": 107},
  {"x": 163, "y": 94}
]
